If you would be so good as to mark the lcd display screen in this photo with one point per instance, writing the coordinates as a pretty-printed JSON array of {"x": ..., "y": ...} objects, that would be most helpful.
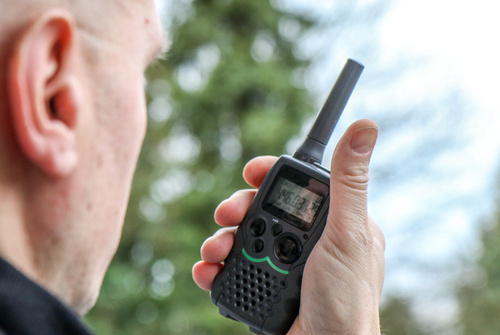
[{"x": 295, "y": 203}]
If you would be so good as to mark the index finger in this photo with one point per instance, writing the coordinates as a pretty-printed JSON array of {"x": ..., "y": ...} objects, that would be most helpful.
[{"x": 256, "y": 169}]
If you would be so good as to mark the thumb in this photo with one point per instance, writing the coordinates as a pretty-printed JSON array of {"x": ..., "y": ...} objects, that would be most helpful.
[{"x": 347, "y": 224}]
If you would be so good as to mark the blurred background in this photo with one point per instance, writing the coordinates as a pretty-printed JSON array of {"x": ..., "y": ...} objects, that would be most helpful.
[{"x": 245, "y": 78}]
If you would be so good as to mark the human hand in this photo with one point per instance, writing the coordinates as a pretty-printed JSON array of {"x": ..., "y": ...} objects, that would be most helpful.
[{"x": 343, "y": 276}]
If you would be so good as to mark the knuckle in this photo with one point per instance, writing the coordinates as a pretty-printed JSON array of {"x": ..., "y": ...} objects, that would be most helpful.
[
  {"x": 356, "y": 178},
  {"x": 363, "y": 238}
]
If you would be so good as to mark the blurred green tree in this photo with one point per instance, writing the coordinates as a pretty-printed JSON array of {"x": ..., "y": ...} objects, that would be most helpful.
[
  {"x": 396, "y": 318},
  {"x": 479, "y": 290},
  {"x": 227, "y": 92}
]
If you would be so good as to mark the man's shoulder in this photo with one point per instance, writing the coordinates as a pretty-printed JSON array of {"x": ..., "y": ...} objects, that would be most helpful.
[{"x": 27, "y": 308}]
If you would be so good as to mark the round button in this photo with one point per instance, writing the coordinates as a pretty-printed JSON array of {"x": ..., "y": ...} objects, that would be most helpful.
[
  {"x": 276, "y": 229},
  {"x": 257, "y": 227},
  {"x": 287, "y": 248},
  {"x": 257, "y": 246}
]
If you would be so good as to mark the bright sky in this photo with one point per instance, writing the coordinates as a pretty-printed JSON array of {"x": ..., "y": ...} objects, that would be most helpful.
[
  {"x": 439, "y": 59},
  {"x": 458, "y": 39},
  {"x": 431, "y": 219}
]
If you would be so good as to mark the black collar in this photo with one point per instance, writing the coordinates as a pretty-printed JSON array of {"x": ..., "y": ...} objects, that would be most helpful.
[{"x": 26, "y": 308}]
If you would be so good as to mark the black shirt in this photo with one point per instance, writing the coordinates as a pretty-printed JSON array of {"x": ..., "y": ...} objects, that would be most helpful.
[{"x": 26, "y": 308}]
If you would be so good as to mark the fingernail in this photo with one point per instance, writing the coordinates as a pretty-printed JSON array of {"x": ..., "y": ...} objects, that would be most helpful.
[{"x": 363, "y": 140}]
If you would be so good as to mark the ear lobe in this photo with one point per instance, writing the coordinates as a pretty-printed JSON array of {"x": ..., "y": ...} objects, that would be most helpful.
[{"x": 44, "y": 91}]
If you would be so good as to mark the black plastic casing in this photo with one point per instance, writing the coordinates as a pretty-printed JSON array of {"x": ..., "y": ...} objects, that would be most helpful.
[{"x": 255, "y": 287}]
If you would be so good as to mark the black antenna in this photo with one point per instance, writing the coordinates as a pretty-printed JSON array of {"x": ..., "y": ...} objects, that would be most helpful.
[{"x": 312, "y": 149}]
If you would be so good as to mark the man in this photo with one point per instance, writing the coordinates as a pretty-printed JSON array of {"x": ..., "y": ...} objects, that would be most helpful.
[{"x": 72, "y": 120}]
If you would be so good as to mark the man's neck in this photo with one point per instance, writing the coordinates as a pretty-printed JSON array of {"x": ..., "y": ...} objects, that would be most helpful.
[{"x": 15, "y": 245}]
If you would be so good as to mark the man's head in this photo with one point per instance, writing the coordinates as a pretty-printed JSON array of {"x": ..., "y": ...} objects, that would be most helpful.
[{"x": 72, "y": 121}]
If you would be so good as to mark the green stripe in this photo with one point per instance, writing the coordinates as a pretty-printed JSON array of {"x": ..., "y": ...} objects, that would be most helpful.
[{"x": 265, "y": 259}]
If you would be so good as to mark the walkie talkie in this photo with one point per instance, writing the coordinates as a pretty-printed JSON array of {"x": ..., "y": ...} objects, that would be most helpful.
[{"x": 261, "y": 280}]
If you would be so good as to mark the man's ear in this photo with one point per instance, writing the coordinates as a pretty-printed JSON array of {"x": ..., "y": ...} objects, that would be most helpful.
[{"x": 44, "y": 92}]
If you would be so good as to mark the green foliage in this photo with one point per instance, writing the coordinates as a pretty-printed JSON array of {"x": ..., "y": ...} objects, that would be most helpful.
[
  {"x": 480, "y": 296},
  {"x": 396, "y": 318},
  {"x": 223, "y": 96}
]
